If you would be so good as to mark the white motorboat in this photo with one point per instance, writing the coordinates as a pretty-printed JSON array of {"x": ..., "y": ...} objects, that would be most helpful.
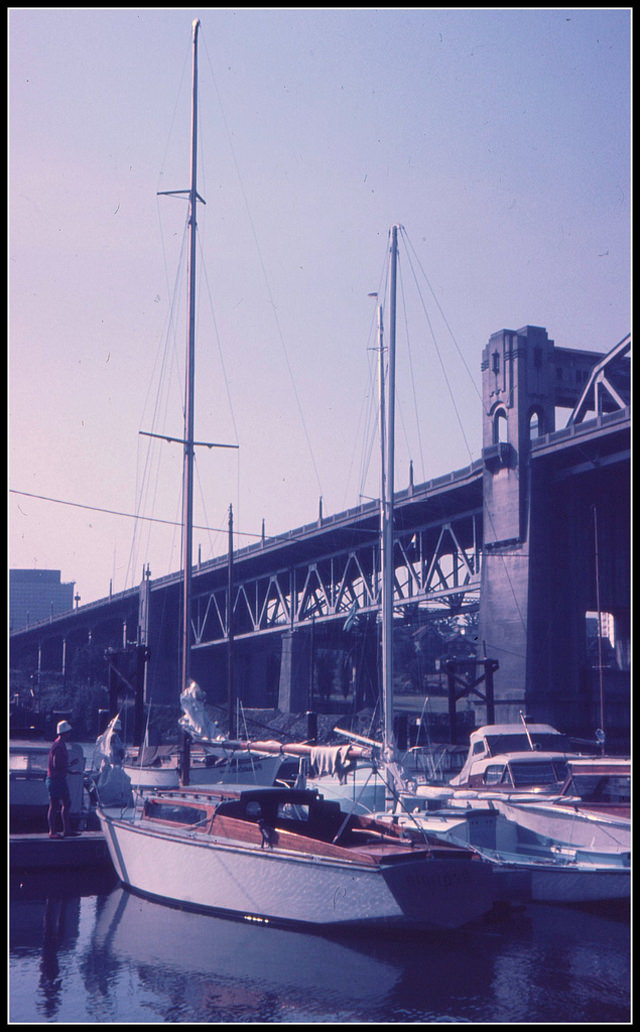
[
  {"x": 508, "y": 758},
  {"x": 526, "y": 866},
  {"x": 287, "y": 856},
  {"x": 554, "y": 824},
  {"x": 507, "y": 763},
  {"x": 593, "y": 811},
  {"x": 533, "y": 776}
]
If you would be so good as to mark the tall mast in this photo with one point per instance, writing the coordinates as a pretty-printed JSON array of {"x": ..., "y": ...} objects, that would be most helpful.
[
  {"x": 230, "y": 629},
  {"x": 187, "y": 484},
  {"x": 387, "y": 441},
  {"x": 187, "y": 440}
]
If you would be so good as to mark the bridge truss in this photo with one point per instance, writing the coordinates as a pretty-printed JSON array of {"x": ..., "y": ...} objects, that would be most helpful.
[{"x": 437, "y": 569}]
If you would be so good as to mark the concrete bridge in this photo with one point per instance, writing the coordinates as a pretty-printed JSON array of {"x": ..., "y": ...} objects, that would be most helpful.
[{"x": 519, "y": 547}]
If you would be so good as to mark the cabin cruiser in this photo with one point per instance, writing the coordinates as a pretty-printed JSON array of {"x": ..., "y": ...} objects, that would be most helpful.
[
  {"x": 592, "y": 811},
  {"x": 531, "y": 804},
  {"x": 572, "y": 799},
  {"x": 509, "y": 758},
  {"x": 528, "y": 865}
]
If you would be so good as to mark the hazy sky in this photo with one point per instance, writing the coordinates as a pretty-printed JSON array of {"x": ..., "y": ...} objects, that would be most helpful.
[{"x": 499, "y": 140}]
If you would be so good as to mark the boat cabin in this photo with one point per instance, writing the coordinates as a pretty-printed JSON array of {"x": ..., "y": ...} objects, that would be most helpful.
[
  {"x": 303, "y": 811},
  {"x": 521, "y": 772},
  {"x": 294, "y": 819},
  {"x": 510, "y": 757}
]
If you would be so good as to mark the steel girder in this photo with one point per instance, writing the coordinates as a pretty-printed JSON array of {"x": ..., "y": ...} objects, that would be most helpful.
[{"x": 437, "y": 567}]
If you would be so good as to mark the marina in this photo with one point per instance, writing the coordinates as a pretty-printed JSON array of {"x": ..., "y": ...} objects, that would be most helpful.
[{"x": 374, "y": 769}]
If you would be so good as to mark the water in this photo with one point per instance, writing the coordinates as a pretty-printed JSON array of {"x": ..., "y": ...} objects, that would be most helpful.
[{"x": 83, "y": 949}]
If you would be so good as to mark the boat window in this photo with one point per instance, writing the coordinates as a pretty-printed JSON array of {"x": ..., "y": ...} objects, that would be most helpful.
[
  {"x": 254, "y": 810},
  {"x": 175, "y": 814},
  {"x": 493, "y": 775},
  {"x": 526, "y": 772},
  {"x": 478, "y": 747},
  {"x": 293, "y": 812}
]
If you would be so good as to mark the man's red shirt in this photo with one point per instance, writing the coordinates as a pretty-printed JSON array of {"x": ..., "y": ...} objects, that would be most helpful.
[{"x": 58, "y": 766}]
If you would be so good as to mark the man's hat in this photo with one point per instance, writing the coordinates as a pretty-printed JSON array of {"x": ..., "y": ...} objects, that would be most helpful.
[{"x": 63, "y": 726}]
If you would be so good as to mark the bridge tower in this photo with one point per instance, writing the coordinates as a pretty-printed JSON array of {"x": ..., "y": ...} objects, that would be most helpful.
[
  {"x": 517, "y": 400},
  {"x": 538, "y": 567}
]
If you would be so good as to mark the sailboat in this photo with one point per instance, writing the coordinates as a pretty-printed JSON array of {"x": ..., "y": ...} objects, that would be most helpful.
[
  {"x": 214, "y": 762},
  {"x": 373, "y": 782},
  {"x": 280, "y": 855},
  {"x": 363, "y": 776}
]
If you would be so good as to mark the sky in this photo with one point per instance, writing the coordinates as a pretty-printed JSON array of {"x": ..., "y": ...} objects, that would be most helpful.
[{"x": 498, "y": 139}]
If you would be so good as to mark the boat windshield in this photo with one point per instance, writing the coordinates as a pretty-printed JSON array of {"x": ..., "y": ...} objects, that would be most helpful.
[
  {"x": 543, "y": 742},
  {"x": 593, "y": 788},
  {"x": 536, "y": 772}
]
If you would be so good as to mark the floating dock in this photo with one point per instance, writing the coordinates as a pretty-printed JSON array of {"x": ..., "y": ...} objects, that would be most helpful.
[{"x": 35, "y": 851}]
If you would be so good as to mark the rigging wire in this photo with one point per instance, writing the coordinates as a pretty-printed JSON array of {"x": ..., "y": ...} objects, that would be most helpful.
[
  {"x": 444, "y": 318},
  {"x": 413, "y": 378},
  {"x": 204, "y": 273},
  {"x": 264, "y": 274},
  {"x": 453, "y": 401},
  {"x": 363, "y": 422},
  {"x": 440, "y": 357},
  {"x": 148, "y": 478}
]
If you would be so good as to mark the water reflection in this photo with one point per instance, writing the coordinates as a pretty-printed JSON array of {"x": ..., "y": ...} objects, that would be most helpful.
[
  {"x": 234, "y": 970},
  {"x": 211, "y": 969},
  {"x": 117, "y": 957}
]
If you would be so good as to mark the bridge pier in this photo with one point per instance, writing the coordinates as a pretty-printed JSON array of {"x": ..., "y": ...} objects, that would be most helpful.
[
  {"x": 517, "y": 393},
  {"x": 295, "y": 672},
  {"x": 539, "y": 558}
]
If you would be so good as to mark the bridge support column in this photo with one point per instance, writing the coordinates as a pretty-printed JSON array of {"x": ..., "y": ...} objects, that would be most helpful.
[
  {"x": 295, "y": 672},
  {"x": 518, "y": 402}
]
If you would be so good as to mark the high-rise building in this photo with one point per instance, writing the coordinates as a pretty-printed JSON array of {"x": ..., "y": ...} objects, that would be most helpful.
[{"x": 36, "y": 595}]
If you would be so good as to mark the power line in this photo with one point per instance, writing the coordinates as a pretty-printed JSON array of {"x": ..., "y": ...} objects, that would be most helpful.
[{"x": 128, "y": 515}]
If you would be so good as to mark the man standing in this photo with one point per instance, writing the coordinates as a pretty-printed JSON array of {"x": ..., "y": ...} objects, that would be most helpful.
[{"x": 57, "y": 771}]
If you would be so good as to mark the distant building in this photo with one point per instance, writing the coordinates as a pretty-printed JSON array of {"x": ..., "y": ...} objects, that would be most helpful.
[{"x": 36, "y": 595}]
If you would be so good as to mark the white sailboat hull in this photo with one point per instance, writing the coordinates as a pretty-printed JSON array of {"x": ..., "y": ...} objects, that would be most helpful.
[
  {"x": 247, "y": 769},
  {"x": 147, "y": 778},
  {"x": 283, "y": 887}
]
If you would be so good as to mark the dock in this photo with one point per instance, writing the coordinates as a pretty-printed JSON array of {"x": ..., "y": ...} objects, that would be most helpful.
[{"x": 35, "y": 851}]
